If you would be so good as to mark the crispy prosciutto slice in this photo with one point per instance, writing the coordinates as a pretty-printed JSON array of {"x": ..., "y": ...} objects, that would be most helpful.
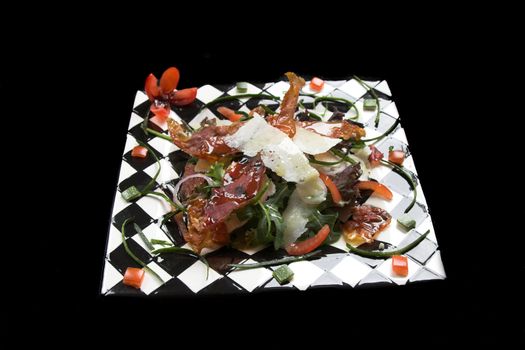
[
  {"x": 337, "y": 129},
  {"x": 195, "y": 231},
  {"x": 207, "y": 143},
  {"x": 284, "y": 120},
  {"x": 187, "y": 189},
  {"x": 206, "y": 224},
  {"x": 242, "y": 181},
  {"x": 366, "y": 224}
]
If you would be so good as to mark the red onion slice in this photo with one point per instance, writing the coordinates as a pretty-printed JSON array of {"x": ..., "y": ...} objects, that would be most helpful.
[{"x": 177, "y": 187}]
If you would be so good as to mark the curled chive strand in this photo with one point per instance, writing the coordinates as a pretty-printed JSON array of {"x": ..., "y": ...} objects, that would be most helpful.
[
  {"x": 234, "y": 97},
  {"x": 159, "y": 134},
  {"x": 186, "y": 125},
  {"x": 161, "y": 242},
  {"x": 173, "y": 250},
  {"x": 344, "y": 156},
  {"x": 374, "y": 95},
  {"x": 308, "y": 95},
  {"x": 189, "y": 252},
  {"x": 130, "y": 253},
  {"x": 143, "y": 237},
  {"x": 385, "y": 134},
  {"x": 320, "y": 162},
  {"x": 169, "y": 216},
  {"x": 144, "y": 124},
  {"x": 163, "y": 195},
  {"x": 285, "y": 260},
  {"x": 408, "y": 178},
  {"x": 311, "y": 159},
  {"x": 205, "y": 262},
  {"x": 149, "y": 131},
  {"x": 385, "y": 255},
  {"x": 267, "y": 109},
  {"x": 245, "y": 115},
  {"x": 151, "y": 183},
  {"x": 338, "y": 99}
]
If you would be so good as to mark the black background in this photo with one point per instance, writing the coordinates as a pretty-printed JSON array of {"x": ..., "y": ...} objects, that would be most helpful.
[{"x": 96, "y": 84}]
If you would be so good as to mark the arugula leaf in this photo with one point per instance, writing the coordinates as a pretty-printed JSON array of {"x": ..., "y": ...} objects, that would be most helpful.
[
  {"x": 278, "y": 222},
  {"x": 265, "y": 221},
  {"x": 317, "y": 220},
  {"x": 279, "y": 199},
  {"x": 216, "y": 173},
  {"x": 264, "y": 228},
  {"x": 247, "y": 213}
]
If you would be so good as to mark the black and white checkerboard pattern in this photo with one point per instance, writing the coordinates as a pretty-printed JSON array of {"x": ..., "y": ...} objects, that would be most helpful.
[{"x": 184, "y": 275}]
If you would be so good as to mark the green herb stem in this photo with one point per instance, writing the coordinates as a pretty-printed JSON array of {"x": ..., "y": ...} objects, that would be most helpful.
[
  {"x": 160, "y": 242},
  {"x": 152, "y": 181},
  {"x": 312, "y": 159},
  {"x": 143, "y": 237},
  {"x": 384, "y": 255},
  {"x": 179, "y": 250},
  {"x": 159, "y": 134},
  {"x": 371, "y": 90},
  {"x": 338, "y": 99},
  {"x": 267, "y": 218},
  {"x": 169, "y": 216},
  {"x": 285, "y": 260},
  {"x": 130, "y": 253},
  {"x": 234, "y": 97},
  {"x": 267, "y": 109},
  {"x": 343, "y": 156},
  {"x": 386, "y": 133},
  {"x": 160, "y": 194},
  {"x": 261, "y": 192},
  {"x": 408, "y": 178}
]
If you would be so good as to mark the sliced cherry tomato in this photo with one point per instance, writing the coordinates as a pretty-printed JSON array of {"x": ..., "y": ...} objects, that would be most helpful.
[
  {"x": 334, "y": 191},
  {"x": 161, "y": 122},
  {"x": 169, "y": 80},
  {"x": 380, "y": 190},
  {"x": 229, "y": 113},
  {"x": 375, "y": 156},
  {"x": 400, "y": 265},
  {"x": 152, "y": 87},
  {"x": 183, "y": 97},
  {"x": 308, "y": 245},
  {"x": 139, "y": 152},
  {"x": 160, "y": 109},
  {"x": 396, "y": 157},
  {"x": 134, "y": 277},
  {"x": 316, "y": 84}
]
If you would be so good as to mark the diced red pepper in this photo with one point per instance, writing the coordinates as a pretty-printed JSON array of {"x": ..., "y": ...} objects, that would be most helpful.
[
  {"x": 316, "y": 84},
  {"x": 334, "y": 191},
  {"x": 139, "y": 152},
  {"x": 308, "y": 245},
  {"x": 229, "y": 113},
  {"x": 380, "y": 190},
  {"x": 134, "y": 277},
  {"x": 396, "y": 157},
  {"x": 400, "y": 265}
]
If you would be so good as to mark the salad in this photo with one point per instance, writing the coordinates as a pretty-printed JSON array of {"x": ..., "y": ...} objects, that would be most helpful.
[{"x": 288, "y": 177}]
